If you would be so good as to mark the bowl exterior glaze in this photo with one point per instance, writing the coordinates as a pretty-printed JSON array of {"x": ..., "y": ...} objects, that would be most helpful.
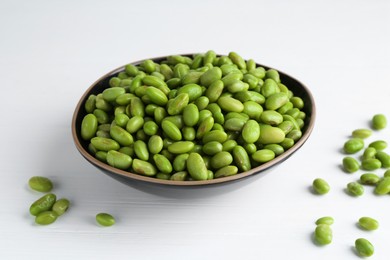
[{"x": 133, "y": 179}]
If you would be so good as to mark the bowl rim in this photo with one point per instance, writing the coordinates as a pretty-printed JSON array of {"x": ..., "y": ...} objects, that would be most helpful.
[{"x": 138, "y": 177}]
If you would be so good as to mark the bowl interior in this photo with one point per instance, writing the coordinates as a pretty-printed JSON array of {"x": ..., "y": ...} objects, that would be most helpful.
[{"x": 294, "y": 85}]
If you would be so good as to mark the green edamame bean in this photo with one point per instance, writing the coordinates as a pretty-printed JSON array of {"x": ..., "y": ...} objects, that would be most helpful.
[
  {"x": 383, "y": 186},
  {"x": 276, "y": 101},
  {"x": 364, "y": 247},
  {"x": 150, "y": 128},
  {"x": 101, "y": 133},
  {"x": 244, "y": 96},
  {"x": 179, "y": 163},
  {"x": 105, "y": 219},
  {"x": 273, "y": 74},
  {"x": 371, "y": 164},
  {"x": 41, "y": 184},
  {"x": 121, "y": 120},
  {"x": 276, "y": 148},
  {"x": 368, "y": 223},
  {"x": 89, "y": 126},
  {"x": 120, "y": 135},
  {"x": 369, "y": 153},
  {"x": 221, "y": 159},
  {"x": 325, "y": 221},
  {"x": 214, "y": 91},
  {"x": 271, "y": 135},
  {"x": 263, "y": 155},
  {"x": 353, "y": 145},
  {"x": 155, "y": 144},
  {"x": 387, "y": 173},
  {"x": 171, "y": 130},
  {"x": 101, "y": 116},
  {"x": 90, "y": 103},
  {"x": 202, "y": 102},
  {"x": 286, "y": 107},
  {"x": 234, "y": 124},
  {"x": 163, "y": 176},
  {"x": 251, "y": 131},
  {"x": 114, "y": 82},
  {"x": 101, "y": 156},
  {"x": 229, "y": 145},
  {"x": 61, "y": 206},
  {"x": 361, "y": 133},
  {"x": 196, "y": 167},
  {"x": 119, "y": 160},
  {"x": 159, "y": 114},
  {"x": 162, "y": 163},
  {"x": 177, "y": 104},
  {"x": 194, "y": 91},
  {"x": 369, "y": 178},
  {"x": 181, "y": 147},
  {"x": 156, "y": 96},
  {"x": 46, "y": 218},
  {"x": 271, "y": 117},
  {"x": 204, "y": 127},
  {"x": 141, "y": 150},
  {"x": 241, "y": 158},
  {"x": 297, "y": 102},
  {"x": 252, "y": 109},
  {"x": 355, "y": 189},
  {"x": 179, "y": 176},
  {"x": 237, "y": 59},
  {"x": 189, "y": 133},
  {"x": 192, "y": 77},
  {"x": 212, "y": 148},
  {"x": 384, "y": 158},
  {"x": 177, "y": 120},
  {"x": 379, "y": 122},
  {"x": 378, "y": 145},
  {"x": 350, "y": 164},
  {"x": 131, "y": 70},
  {"x": 269, "y": 88},
  {"x": 286, "y": 126},
  {"x": 104, "y": 144},
  {"x": 211, "y": 76},
  {"x": 226, "y": 171},
  {"x": 191, "y": 115},
  {"x": 323, "y": 234},
  {"x": 134, "y": 124},
  {"x": 320, "y": 186},
  {"x": 251, "y": 80},
  {"x": 44, "y": 203},
  {"x": 209, "y": 57},
  {"x": 110, "y": 94},
  {"x": 129, "y": 150},
  {"x": 144, "y": 167},
  {"x": 259, "y": 72},
  {"x": 214, "y": 135},
  {"x": 287, "y": 143},
  {"x": 237, "y": 86},
  {"x": 149, "y": 66},
  {"x": 102, "y": 104},
  {"x": 230, "y": 104},
  {"x": 294, "y": 134}
]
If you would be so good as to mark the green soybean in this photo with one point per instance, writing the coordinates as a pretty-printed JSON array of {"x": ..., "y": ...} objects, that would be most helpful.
[
  {"x": 368, "y": 223},
  {"x": 162, "y": 163},
  {"x": 141, "y": 150},
  {"x": 196, "y": 167},
  {"x": 105, "y": 219},
  {"x": 353, "y": 145},
  {"x": 44, "y": 203},
  {"x": 350, "y": 164},
  {"x": 61, "y": 206},
  {"x": 371, "y": 164},
  {"x": 383, "y": 186},
  {"x": 119, "y": 160},
  {"x": 226, "y": 171},
  {"x": 270, "y": 135},
  {"x": 364, "y": 247},
  {"x": 41, "y": 184},
  {"x": 89, "y": 126},
  {"x": 355, "y": 189},
  {"x": 241, "y": 158},
  {"x": 263, "y": 155},
  {"x": 179, "y": 176},
  {"x": 379, "y": 122},
  {"x": 378, "y": 145},
  {"x": 384, "y": 158},
  {"x": 369, "y": 153},
  {"x": 320, "y": 186},
  {"x": 46, "y": 218},
  {"x": 251, "y": 131},
  {"x": 325, "y": 220},
  {"x": 361, "y": 133},
  {"x": 323, "y": 234},
  {"x": 144, "y": 168},
  {"x": 369, "y": 178}
]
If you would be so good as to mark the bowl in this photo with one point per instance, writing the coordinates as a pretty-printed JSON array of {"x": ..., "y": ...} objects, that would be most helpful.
[{"x": 136, "y": 180}]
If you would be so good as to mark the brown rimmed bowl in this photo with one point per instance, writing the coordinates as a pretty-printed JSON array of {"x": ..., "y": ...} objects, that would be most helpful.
[{"x": 137, "y": 180}]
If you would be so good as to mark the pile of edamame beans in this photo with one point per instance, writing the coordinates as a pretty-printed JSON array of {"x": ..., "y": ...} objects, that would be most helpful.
[{"x": 192, "y": 118}]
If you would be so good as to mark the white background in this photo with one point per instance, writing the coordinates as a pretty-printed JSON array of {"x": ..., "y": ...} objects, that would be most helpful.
[{"x": 50, "y": 53}]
